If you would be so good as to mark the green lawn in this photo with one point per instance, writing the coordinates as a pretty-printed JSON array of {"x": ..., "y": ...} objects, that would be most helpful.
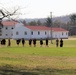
[{"x": 18, "y": 60}]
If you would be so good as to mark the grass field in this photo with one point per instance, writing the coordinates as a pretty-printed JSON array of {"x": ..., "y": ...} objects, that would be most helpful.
[{"x": 18, "y": 60}]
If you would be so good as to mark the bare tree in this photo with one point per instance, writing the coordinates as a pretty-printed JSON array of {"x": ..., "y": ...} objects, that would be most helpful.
[{"x": 5, "y": 14}]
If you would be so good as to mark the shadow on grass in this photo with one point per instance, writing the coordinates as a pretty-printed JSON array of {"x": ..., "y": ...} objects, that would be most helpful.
[{"x": 9, "y": 70}]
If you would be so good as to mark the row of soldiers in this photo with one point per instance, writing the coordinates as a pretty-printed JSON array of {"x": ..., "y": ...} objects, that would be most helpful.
[
  {"x": 57, "y": 42},
  {"x": 3, "y": 42},
  {"x": 31, "y": 41}
]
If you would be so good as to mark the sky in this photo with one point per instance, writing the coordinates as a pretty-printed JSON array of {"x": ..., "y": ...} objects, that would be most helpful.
[{"x": 40, "y": 8}]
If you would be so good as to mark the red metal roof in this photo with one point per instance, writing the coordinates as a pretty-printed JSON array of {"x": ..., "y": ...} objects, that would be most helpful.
[
  {"x": 9, "y": 23},
  {"x": 38, "y": 27},
  {"x": 12, "y": 23},
  {"x": 45, "y": 28},
  {"x": 58, "y": 29}
]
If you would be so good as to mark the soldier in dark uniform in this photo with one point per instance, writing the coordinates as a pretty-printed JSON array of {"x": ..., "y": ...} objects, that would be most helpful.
[
  {"x": 46, "y": 42},
  {"x": 30, "y": 42},
  {"x": 61, "y": 43},
  {"x": 34, "y": 42},
  {"x": 3, "y": 42},
  {"x": 18, "y": 41},
  {"x": 57, "y": 42},
  {"x": 9, "y": 42},
  {"x": 41, "y": 42},
  {"x": 23, "y": 42}
]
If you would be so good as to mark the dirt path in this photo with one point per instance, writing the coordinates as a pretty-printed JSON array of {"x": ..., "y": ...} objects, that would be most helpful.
[{"x": 70, "y": 38}]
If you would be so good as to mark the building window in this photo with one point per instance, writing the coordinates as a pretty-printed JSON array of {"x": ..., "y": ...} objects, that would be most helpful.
[
  {"x": 25, "y": 33},
  {"x": 38, "y": 33},
  {"x": 17, "y": 33},
  {"x": 0, "y": 30},
  {"x": 11, "y": 34},
  {"x": 6, "y": 28},
  {"x": 45, "y": 33},
  {"x": 12, "y": 28},
  {"x": 0, "y": 34},
  {"x": 6, "y": 34},
  {"x": 62, "y": 33},
  {"x": 32, "y": 33},
  {"x": 66, "y": 33}
]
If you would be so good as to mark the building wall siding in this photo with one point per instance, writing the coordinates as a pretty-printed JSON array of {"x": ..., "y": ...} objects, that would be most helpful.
[{"x": 20, "y": 31}]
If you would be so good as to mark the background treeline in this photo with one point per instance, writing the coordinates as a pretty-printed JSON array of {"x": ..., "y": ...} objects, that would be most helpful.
[{"x": 67, "y": 22}]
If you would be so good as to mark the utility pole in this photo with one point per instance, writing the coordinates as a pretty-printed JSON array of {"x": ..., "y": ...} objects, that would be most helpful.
[{"x": 51, "y": 26}]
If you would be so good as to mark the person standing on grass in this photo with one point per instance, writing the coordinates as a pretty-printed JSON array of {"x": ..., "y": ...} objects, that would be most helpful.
[
  {"x": 30, "y": 42},
  {"x": 61, "y": 43},
  {"x": 18, "y": 41},
  {"x": 3, "y": 42},
  {"x": 46, "y": 42},
  {"x": 57, "y": 42},
  {"x": 34, "y": 42},
  {"x": 23, "y": 42},
  {"x": 41, "y": 42},
  {"x": 9, "y": 42}
]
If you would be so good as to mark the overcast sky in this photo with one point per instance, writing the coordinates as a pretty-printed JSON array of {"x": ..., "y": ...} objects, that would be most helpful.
[{"x": 41, "y": 8}]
